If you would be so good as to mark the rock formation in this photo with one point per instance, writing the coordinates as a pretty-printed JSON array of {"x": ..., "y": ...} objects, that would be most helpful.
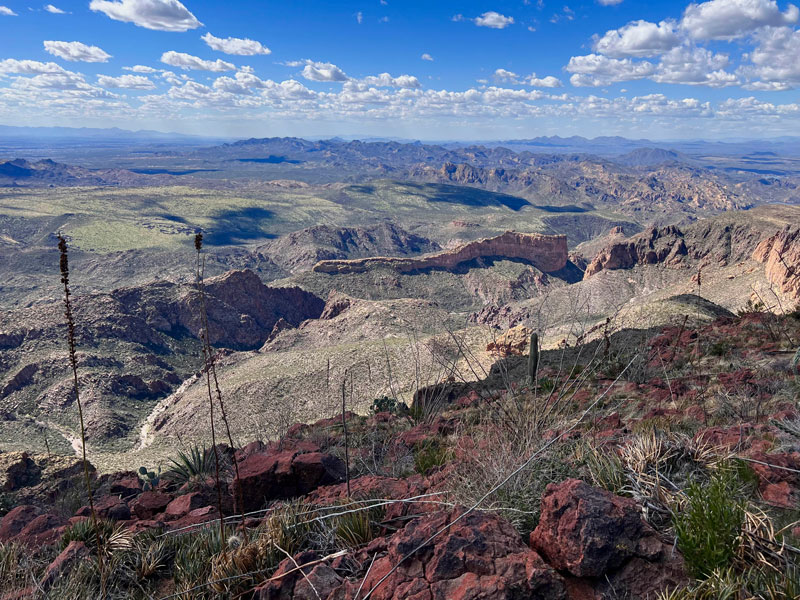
[
  {"x": 547, "y": 253},
  {"x": 780, "y": 254}
]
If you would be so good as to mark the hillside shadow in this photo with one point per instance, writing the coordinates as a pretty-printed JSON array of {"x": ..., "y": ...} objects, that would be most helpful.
[{"x": 239, "y": 226}]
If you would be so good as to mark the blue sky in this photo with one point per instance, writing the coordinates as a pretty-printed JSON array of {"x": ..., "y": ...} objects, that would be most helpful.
[{"x": 430, "y": 70}]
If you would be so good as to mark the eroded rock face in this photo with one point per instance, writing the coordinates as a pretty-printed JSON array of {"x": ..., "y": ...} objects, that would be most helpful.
[
  {"x": 478, "y": 557},
  {"x": 780, "y": 254},
  {"x": 601, "y": 538},
  {"x": 658, "y": 245},
  {"x": 547, "y": 253}
]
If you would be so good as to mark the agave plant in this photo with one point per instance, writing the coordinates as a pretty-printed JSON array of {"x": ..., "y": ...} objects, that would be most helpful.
[{"x": 191, "y": 466}]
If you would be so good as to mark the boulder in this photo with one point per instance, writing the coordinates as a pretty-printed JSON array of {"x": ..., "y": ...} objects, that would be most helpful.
[
  {"x": 270, "y": 476},
  {"x": 16, "y": 520},
  {"x": 42, "y": 530},
  {"x": 109, "y": 507},
  {"x": 63, "y": 563},
  {"x": 592, "y": 534},
  {"x": 183, "y": 505},
  {"x": 478, "y": 556},
  {"x": 149, "y": 504}
]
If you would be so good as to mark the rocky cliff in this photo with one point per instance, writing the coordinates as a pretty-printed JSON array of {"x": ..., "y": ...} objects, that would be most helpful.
[
  {"x": 780, "y": 254},
  {"x": 547, "y": 253}
]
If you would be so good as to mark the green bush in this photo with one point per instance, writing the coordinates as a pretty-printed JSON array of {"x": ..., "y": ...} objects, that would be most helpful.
[
  {"x": 709, "y": 528},
  {"x": 390, "y": 405},
  {"x": 430, "y": 454}
]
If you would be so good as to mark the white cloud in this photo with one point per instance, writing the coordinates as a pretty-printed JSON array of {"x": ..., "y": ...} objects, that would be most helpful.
[
  {"x": 76, "y": 51},
  {"x": 506, "y": 76},
  {"x": 694, "y": 66},
  {"x": 731, "y": 19},
  {"x": 129, "y": 82},
  {"x": 595, "y": 70},
  {"x": 319, "y": 71},
  {"x": 493, "y": 20},
  {"x": 609, "y": 2},
  {"x": 238, "y": 46},
  {"x": 187, "y": 61},
  {"x": 360, "y": 17},
  {"x": 386, "y": 80},
  {"x": 638, "y": 38},
  {"x": 458, "y": 18},
  {"x": 55, "y": 10},
  {"x": 426, "y": 56},
  {"x": 140, "y": 69},
  {"x": 4, "y": 10},
  {"x": 163, "y": 15},
  {"x": 29, "y": 67},
  {"x": 775, "y": 61},
  {"x": 545, "y": 82}
]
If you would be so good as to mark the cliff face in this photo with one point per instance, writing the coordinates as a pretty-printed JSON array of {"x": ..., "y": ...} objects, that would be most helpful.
[
  {"x": 781, "y": 257},
  {"x": 658, "y": 245},
  {"x": 547, "y": 253}
]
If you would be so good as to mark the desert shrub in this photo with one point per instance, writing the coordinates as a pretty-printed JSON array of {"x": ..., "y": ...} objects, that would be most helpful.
[
  {"x": 429, "y": 455},
  {"x": 194, "y": 554},
  {"x": 390, "y": 405},
  {"x": 709, "y": 528},
  {"x": 604, "y": 469},
  {"x": 753, "y": 583},
  {"x": 719, "y": 348},
  {"x": 191, "y": 466},
  {"x": 490, "y": 454},
  {"x": 355, "y": 527},
  {"x": 84, "y": 531}
]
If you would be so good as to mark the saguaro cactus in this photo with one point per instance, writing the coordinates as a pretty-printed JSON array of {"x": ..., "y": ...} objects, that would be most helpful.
[{"x": 533, "y": 359}]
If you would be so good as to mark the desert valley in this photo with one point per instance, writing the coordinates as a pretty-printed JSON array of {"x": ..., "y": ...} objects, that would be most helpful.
[{"x": 527, "y": 337}]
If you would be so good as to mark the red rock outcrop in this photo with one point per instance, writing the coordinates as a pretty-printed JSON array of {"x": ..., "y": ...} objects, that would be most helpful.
[
  {"x": 479, "y": 556},
  {"x": 547, "y": 253},
  {"x": 601, "y": 538},
  {"x": 780, "y": 254},
  {"x": 270, "y": 476},
  {"x": 658, "y": 245}
]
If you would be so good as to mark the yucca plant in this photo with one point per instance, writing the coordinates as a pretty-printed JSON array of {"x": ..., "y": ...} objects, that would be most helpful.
[{"x": 190, "y": 466}]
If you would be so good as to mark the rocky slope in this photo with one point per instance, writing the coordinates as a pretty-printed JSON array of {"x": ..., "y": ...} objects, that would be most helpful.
[
  {"x": 22, "y": 172},
  {"x": 301, "y": 250},
  {"x": 599, "y": 501},
  {"x": 546, "y": 253},
  {"x": 135, "y": 346}
]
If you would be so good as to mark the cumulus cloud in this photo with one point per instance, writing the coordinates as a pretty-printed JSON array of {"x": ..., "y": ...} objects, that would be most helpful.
[
  {"x": 595, "y": 70},
  {"x": 386, "y": 80},
  {"x": 319, "y": 71},
  {"x": 29, "y": 67},
  {"x": 238, "y": 46},
  {"x": 54, "y": 9},
  {"x": 76, "y": 51},
  {"x": 163, "y": 15},
  {"x": 493, "y": 20},
  {"x": 140, "y": 69},
  {"x": 774, "y": 64},
  {"x": 545, "y": 82},
  {"x": 5, "y": 11},
  {"x": 187, "y": 61},
  {"x": 426, "y": 56},
  {"x": 639, "y": 39},
  {"x": 731, "y": 19},
  {"x": 506, "y": 76},
  {"x": 694, "y": 66},
  {"x": 129, "y": 82}
]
